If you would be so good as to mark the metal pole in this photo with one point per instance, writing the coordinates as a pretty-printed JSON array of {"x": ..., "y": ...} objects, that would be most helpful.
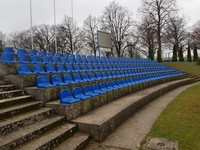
[
  {"x": 31, "y": 19},
  {"x": 72, "y": 13},
  {"x": 55, "y": 29}
]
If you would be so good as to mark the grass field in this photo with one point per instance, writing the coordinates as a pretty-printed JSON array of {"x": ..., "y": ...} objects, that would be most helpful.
[
  {"x": 181, "y": 120},
  {"x": 187, "y": 67}
]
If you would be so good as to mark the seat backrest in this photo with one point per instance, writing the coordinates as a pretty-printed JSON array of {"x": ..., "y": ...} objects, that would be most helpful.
[
  {"x": 77, "y": 67},
  {"x": 98, "y": 75},
  {"x": 55, "y": 59},
  {"x": 87, "y": 89},
  {"x": 23, "y": 68},
  {"x": 63, "y": 60},
  {"x": 65, "y": 93},
  {"x": 66, "y": 55},
  {"x": 42, "y": 80},
  {"x": 46, "y": 59},
  {"x": 22, "y": 58},
  {"x": 50, "y": 54},
  {"x": 32, "y": 52},
  {"x": 84, "y": 76},
  {"x": 92, "y": 76},
  {"x": 8, "y": 50},
  {"x": 67, "y": 78},
  {"x": 21, "y": 51},
  {"x": 76, "y": 77},
  {"x": 60, "y": 68},
  {"x": 84, "y": 67},
  {"x": 108, "y": 84},
  {"x": 77, "y": 91},
  {"x": 57, "y": 79},
  {"x": 69, "y": 67},
  {"x": 42, "y": 53},
  {"x": 102, "y": 85},
  {"x": 58, "y": 54},
  {"x": 35, "y": 59},
  {"x": 50, "y": 67},
  {"x": 6, "y": 58},
  {"x": 95, "y": 87},
  {"x": 38, "y": 68}
]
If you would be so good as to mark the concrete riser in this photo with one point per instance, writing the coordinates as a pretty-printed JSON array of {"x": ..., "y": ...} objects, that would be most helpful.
[
  {"x": 9, "y": 88},
  {"x": 33, "y": 135},
  {"x": 16, "y": 102},
  {"x": 20, "y": 123},
  {"x": 10, "y": 94},
  {"x": 100, "y": 132},
  {"x": 14, "y": 112}
]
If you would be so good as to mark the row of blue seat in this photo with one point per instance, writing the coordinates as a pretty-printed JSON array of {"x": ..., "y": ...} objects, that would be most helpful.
[
  {"x": 66, "y": 97},
  {"x": 9, "y": 58},
  {"x": 39, "y": 69},
  {"x": 57, "y": 80}
]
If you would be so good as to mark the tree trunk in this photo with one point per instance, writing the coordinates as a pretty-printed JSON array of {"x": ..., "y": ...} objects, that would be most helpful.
[
  {"x": 151, "y": 53},
  {"x": 189, "y": 57},
  {"x": 181, "y": 59},
  {"x": 195, "y": 54},
  {"x": 174, "y": 57},
  {"x": 159, "y": 52}
]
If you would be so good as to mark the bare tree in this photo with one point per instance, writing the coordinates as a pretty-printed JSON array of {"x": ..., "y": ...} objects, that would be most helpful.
[
  {"x": 44, "y": 37},
  {"x": 176, "y": 35},
  {"x": 147, "y": 36},
  {"x": 116, "y": 20},
  {"x": 90, "y": 27},
  {"x": 159, "y": 11},
  {"x": 70, "y": 35},
  {"x": 20, "y": 39},
  {"x": 2, "y": 40}
]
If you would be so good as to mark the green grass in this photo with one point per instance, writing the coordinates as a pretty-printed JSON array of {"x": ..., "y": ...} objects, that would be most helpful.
[
  {"x": 188, "y": 67},
  {"x": 181, "y": 120}
]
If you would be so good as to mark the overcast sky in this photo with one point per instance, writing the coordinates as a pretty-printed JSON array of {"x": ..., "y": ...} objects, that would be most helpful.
[{"x": 15, "y": 14}]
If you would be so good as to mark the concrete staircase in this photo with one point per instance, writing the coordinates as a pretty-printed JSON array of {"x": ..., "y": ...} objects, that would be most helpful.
[{"x": 26, "y": 124}]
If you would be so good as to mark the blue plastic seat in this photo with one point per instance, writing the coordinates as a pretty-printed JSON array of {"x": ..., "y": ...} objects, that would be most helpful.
[
  {"x": 110, "y": 86},
  {"x": 71, "y": 60},
  {"x": 95, "y": 89},
  {"x": 35, "y": 59},
  {"x": 61, "y": 68},
  {"x": 115, "y": 84},
  {"x": 92, "y": 77},
  {"x": 68, "y": 79},
  {"x": 90, "y": 68},
  {"x": 57, "y": 80},
  {"x": 78, "y": 93},
  {"x": 77, "y": 68},
  {"x": 24, "y": 69},
  {"x": 42, "y": 53},
  {"x": 46, "y": 60},
  {"x": 98, "y": 76},
  {"x": 63, "y": 60},
  {"x": 43, "y": 82},
  {"x": 55, "y": 60},
  {"x": 84, "y": 68},
  {"x": 58, "y": 54},
  {"x": 50, "y": 54},
  {"x": 21, "y": 51},
  {"x": 104, "y": 75},
  {"x": 67, "y": 98},
  {"x": 78, "y": 60},
  {"x": 7, "y": 58},
  {"x": 50, "y": 68},
  {"x": 88, "y": 91},
  {"x": 77, "y": 78},
  {"x": 38, "y": 69},
  {"x": 8, "y": 50},
  {"x": 22, "y": 58},
  {"x": 103, "y": 87},
  {"x": 69, "y": 68},
  {"x": 66, "y": 55},
  {"x": 96, "y": 67},
  {"x": 85, "y": 77},
  {"x": 32, "y": 52}
]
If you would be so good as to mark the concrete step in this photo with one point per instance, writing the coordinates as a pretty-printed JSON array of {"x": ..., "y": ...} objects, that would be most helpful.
[
  {"x": 4, "y": 81},
  {"x": 18, "y": 109},
  {"x": 7, "y": 87},
  {"x": 9, "y": 94},
  {"x": 102, "y": 121},
  {"x": 14, "y": 139},
  {"x": 51, "y": 139},
  {"x": 21, "y": 120},
  {"x": 14, "y": 101},
  {"x": 77, "y": 142}
]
